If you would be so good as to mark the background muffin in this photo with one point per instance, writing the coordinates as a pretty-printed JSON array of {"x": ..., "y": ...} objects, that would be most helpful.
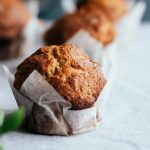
[
  {"x": 72, "y": 74},
  {"x": 114, "y": 9},
  {"x": 13, "y": 18},
  {"x": 89, "y": 18}
]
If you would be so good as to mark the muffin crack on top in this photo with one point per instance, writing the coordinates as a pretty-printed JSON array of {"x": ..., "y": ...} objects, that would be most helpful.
[{"x": 71, "y": 73}]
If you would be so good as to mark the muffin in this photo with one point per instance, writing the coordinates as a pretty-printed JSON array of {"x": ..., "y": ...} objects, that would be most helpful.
[
  {"x": 114, "y": 9},
  {"x": 90, "y": 18},
  {"x": 13, "y": 18},
  {"x": 77, "y": 78}
]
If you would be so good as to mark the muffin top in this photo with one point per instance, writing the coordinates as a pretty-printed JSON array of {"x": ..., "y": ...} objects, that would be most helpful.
[
  {"x": 13, "y": 17},
  {"x": 89, "y": 18},
  {"x": 71, "y": 73},
  {"x": 114, "y": 9}
]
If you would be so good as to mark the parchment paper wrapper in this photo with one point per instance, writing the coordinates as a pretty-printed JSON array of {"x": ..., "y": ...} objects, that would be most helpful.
[
  {"x": 128, "y": 25},
  {"x": 47, "y": 112}
]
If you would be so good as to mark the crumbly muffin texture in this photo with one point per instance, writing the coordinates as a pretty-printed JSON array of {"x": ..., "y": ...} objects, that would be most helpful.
[
  {"x": 71, "y": 73},
  {"x": 89, "y": 18}
]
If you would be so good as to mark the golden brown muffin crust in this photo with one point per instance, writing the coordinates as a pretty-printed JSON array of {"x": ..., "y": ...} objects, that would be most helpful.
[
  {"x": 114, "y": 9},
  {"x": 89, "y": 18},
  {"x": 99, "y": 25},
  {"x": 13, "y": 17},
  {"x": 72, "y": 74}
]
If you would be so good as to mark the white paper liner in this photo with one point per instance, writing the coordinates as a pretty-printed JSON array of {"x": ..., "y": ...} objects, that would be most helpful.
[
  {"x": 93, "y": 47},
  {"x": 87, "y": 43},
  {"x": 47, "y": 112},
  {"x": 128, "y": 25}
]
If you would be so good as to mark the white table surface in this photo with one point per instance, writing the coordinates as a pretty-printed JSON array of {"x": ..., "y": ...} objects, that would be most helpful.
[{"x": 126, "y": 124}]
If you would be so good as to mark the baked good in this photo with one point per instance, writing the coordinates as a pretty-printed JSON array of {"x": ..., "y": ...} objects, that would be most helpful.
[
  {"x": 13, "y": 18},
  {"x": 71, "y": 73},
  {"x": 89, "y": 18},
  {"x": 114, "y": 9}
]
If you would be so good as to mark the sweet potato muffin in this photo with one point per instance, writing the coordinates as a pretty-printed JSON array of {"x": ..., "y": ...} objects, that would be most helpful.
[
  {"x": 13, "y": 18},
  {"x": 71, "y": 73},
  {"x": 89, "y": 18},
  {"x": 114, "y": 9}
]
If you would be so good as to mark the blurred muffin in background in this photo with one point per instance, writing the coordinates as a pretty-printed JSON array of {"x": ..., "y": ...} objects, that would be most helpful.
[
  {"x": 89, "y": 18},
  {"x": 13, "y": 18},
  {"x": 114, "y": 9}
]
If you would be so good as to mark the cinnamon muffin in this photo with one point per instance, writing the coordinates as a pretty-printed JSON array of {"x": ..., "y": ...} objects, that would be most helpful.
[
  {"x": 114, "y": 9},
  {"x": 89, "y": 18},
  {"x": 71, "y": 73},
  {"x": 13, "y": 17}
]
